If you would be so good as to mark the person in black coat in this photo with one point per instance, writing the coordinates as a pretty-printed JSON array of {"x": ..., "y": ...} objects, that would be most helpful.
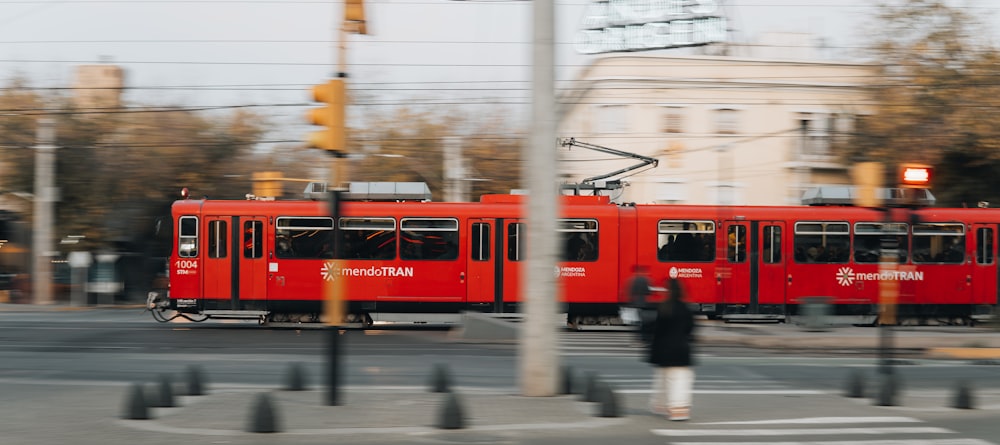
[{"x": 671, "y": 353}]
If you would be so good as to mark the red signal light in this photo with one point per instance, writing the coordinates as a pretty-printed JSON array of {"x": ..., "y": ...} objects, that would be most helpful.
[{"x": 915, "y": 176}]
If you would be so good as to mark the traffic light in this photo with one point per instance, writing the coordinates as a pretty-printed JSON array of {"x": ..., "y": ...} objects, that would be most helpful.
[
  {"x": 868, "y": 180},
  {"x": 267, "y": 184},
  {"x": 354, "y": 13},
  {"x": 915, "y": 176},
  {"x": 331, "y": 116}
]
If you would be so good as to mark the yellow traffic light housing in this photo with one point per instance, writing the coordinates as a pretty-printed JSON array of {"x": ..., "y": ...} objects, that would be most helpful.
[
  {"x": 868, "y": 181},
  {"x": 915, "y": 176},
  {"x": 331, "y": 116},
  {"x": 267, "y": 184},
  {"x": 354, "y": 14}
]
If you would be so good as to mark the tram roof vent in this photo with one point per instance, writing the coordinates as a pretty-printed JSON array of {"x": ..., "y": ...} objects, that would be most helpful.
[
  {"x": 373, "y": 191},
  {"x": 845, "y": 195},
  {"x": 315, "y": 191},
  {"x": 388, "y": 191}
]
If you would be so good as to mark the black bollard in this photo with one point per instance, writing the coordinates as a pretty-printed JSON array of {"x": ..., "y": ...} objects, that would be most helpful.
[
  {"x": 263, "y": 416},
  {"x": 296, "y": 380},
  {"x": 332, "y": 395},
  {"x": 440, "y": 380},
  {"x": 889, "y": 390},
  {"x": 589, "y": 393},
  {"x": 451, "y": 413},
  {"x": 607, "y": 401},
  {"x": 195, "y": 382},
  {"x": 135, "y": 404},
  {"x": 566, "y": 386},
  {"x": 855, "y": 385},
  {"x": 963, "y": 396},
  {"x": 166, "y": 393}
]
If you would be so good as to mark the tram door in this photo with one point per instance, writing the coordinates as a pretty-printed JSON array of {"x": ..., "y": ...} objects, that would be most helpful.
[
  {"x": 251, "y": 262},
  {"x": 511, "y": 255},
  {"x": 769, "y": 256},
  {"x": 481, "y": 280},
  {"x": 733, "y": 274},
  {"x": 217, "y": 273},
  {"x": 984, "y": 266}
]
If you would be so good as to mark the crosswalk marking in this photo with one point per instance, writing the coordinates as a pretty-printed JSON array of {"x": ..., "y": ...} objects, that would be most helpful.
[
  {"x": 856, "y": 442},
  {"x": 826, "y": 430},
  {"x": 734, "y": 391},
  {"x": 801, "y": 431},
  {"x": 819, "y": 420}
]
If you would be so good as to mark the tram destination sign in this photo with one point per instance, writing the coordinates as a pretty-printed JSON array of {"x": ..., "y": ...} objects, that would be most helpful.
[{"x": 643, "y": 25}]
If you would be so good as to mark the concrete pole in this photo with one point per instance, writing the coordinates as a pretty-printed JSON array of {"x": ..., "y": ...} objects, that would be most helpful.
[
  {"x": 454, "y": 171},
  {"x": 45, "y": 195},
  {"x": 539, "y": 365}
]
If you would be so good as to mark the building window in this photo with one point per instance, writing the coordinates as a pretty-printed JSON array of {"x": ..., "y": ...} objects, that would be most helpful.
[
  {"x": 815, "y": 131},
  {"x": 612, "y": 119},
  {"x": 727, "y": 193},
  {"x": 670, "y": 193},
  {"x": 726, "y": 121},
  {"x": 673, "y": 120}
]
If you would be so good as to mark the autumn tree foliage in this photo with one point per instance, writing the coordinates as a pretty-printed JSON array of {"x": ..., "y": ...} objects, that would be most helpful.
[
  {"x": 936, "y": 99},
  {"x": 119, "y": 169}
]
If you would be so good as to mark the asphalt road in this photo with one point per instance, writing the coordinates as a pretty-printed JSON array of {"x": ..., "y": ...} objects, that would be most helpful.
[{"x": 742, "y": 395}]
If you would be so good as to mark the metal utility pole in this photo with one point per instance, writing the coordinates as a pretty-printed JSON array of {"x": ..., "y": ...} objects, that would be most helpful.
[
  {"x": 45, "y": 196},
  {"x": 539, "y": 365},
  {"x": 335, "y": 305}
]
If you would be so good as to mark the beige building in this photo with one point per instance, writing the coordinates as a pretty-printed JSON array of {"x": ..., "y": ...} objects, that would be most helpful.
[
  {"x": 98, "y": 86},
  {"x": 724, "y": 130}
]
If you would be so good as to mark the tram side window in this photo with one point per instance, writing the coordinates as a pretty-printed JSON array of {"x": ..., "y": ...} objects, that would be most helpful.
[
  {"x": 428, "y": 238},
  {"x": 736, "y": 244},
  {"x": 187, "y": 237},
  {"x": 516, "y": 237},
  {"x": 822, "y": 242},
  {"x": 939, "y": 243},
  {"x": 253, "y": 239},
  {"x": 579, "y": 239},
  {"x": 217, "y": 247},
  {"x": 984, "y": 245},
  {"x": 367, "y": 238},
  {"x": 679, "y": 240},
  {"x": 303, "y": 237},
  {"x": 771, "y": 245},
  {"x": 871, "y": 238},
  {"x": 480, "y": 242}
]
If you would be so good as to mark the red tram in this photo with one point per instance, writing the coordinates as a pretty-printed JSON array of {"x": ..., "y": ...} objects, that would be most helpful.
[{"x": 420, "y": 261}]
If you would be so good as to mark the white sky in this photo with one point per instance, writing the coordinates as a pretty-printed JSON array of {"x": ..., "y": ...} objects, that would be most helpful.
[{"x": 269, "y": 52}]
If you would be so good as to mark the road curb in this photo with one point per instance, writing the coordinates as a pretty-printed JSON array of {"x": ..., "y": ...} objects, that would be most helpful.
[{"x": 965, "y": 353}]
